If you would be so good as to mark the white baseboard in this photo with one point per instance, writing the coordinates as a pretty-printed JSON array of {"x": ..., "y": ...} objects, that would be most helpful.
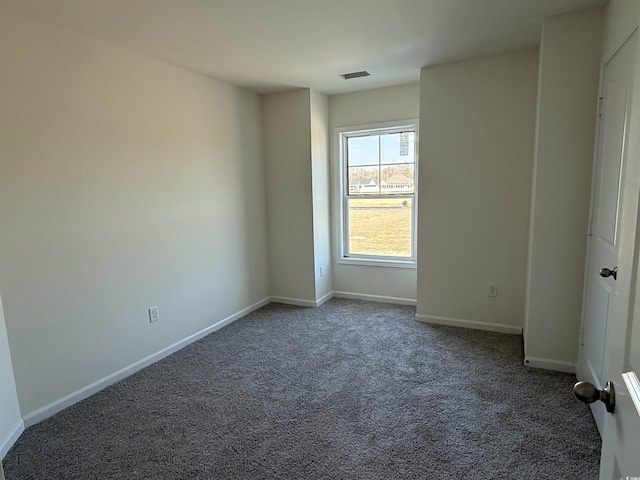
[
  {"x": 324, "y": 299},
  {"x": 11, "y": 437},
  {"x": 375, "y": 298},
  {"x": 294, "y": 301},
  {"x": 549, "y": 364},
  {"x": 356, "y": 296},
  {"x": 459, "y": 322},
  {"x": 54, "y": 407}
]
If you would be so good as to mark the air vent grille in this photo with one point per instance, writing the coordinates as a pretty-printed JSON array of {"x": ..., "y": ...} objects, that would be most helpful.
[{"x": 349, "y": 76}]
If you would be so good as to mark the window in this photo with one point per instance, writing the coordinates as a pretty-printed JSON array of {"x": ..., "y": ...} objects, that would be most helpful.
[{"x": 378, "y": 172}]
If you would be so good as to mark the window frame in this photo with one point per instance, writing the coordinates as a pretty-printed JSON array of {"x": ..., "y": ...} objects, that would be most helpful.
[{"x": 343, "y": 256}]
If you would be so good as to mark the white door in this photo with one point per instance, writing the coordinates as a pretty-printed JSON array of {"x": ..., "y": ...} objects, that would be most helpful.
[
  {"x": 621, "y": 436},
  {"x": 604, "y": 230},
  {"x": 611, "y": 345}
]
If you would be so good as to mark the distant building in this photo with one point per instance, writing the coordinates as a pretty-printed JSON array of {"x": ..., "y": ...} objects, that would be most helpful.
[
  {"x": 363, "y": 185},
  {"x": 397, "y": 183}
]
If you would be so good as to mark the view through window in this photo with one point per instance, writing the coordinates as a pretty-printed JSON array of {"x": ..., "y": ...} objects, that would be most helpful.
[{"x": 379, "y": 188}]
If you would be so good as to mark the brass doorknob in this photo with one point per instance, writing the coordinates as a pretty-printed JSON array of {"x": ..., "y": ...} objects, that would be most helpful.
[{"x": 588, "y": 393}]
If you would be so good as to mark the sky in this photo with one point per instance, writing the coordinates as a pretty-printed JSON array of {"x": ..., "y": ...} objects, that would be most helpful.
[{"x": 364, "y": 150}]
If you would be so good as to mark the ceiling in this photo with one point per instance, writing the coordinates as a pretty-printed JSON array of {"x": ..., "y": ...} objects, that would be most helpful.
[{"x": 272, "y": 45}]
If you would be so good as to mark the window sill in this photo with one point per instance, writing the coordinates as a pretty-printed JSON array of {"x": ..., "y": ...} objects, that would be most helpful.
[{"x": 370, "y": 262}]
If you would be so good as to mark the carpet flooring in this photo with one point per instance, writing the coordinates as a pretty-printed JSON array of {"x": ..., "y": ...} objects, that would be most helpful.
[{"x": 350, "y": 390}]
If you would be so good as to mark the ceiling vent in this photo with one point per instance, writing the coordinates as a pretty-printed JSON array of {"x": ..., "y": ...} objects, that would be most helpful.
[{"x": 349, "y": 76}]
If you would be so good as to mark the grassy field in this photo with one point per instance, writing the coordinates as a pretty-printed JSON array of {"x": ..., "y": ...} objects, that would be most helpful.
[{"x": 380, "y": 226}]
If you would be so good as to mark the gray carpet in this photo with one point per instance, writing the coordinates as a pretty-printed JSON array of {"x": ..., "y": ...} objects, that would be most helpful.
[{"x": 350, "y": 390}]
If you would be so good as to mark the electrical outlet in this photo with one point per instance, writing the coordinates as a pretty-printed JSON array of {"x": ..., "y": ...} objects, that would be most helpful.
[
  {"x": 492, "y": 290},
  {"x": 154, "y": 316},
  {"x": 322, "y": 270}
]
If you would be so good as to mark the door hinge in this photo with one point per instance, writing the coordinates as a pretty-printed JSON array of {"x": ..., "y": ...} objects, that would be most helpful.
[
  {"x": 582, "y": 330},
  {"x": 600, "y": 99}
]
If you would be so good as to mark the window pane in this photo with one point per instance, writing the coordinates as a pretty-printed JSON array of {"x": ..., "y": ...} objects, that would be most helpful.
[
  {"x": 398, "y": 179},
  {"x": 380, "y": 226},
  {"x": 363, "y": 150},
  {"x": 397, "y": 148},
  {"x": 364, "y": 180}
]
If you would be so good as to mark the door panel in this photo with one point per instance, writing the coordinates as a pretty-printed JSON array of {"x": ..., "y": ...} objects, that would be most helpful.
[
  {"x": 615, "y": 242},
  {"x": 621, "y": 438},
  {"x": 604, "y": 225},
  {"x": 598, "y": 297},
  {"x": 610, "y": 159}
]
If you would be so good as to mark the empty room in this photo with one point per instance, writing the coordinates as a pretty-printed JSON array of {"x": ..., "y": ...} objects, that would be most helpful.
[{"x": 319, "y": 239}]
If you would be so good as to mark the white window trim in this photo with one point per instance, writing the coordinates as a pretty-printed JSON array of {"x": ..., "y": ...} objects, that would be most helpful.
[{"x": 340, "y": 198}]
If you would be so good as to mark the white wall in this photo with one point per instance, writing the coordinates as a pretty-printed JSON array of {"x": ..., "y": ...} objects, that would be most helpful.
[
  {"x": 295, "y": 139},
  {"x": 287, "y": 150},
  {"x": 570, "y": 54},
  {"x": 11, "y": 424},
  {"x": 126, "y": 183},
  {"x": 321, "y": 193},
  {"x": 476, "y": 149},
  {"x": 621, "y": 19},
  {"x": 362, "y": 108}
]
